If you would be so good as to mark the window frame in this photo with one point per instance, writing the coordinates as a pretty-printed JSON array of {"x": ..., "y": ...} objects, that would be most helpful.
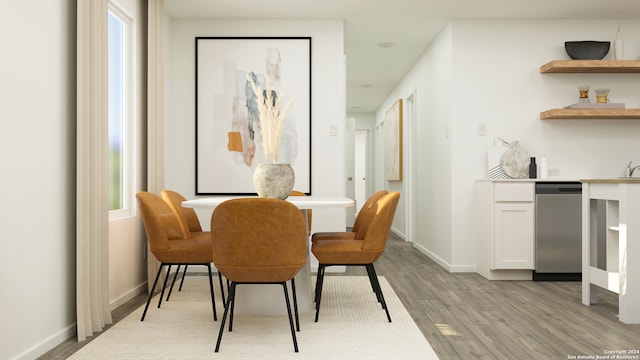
[{"x": 127, "y": 158}]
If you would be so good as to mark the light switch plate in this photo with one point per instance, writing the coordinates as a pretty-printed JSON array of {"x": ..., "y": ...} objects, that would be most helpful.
[
  {"x": 333, "y": 130},
  {"x": 482, "y": 129}
]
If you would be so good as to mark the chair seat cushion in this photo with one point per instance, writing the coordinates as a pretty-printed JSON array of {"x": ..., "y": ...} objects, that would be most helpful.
[
  {"x": 186, "y": 251},
  {"x": 206, "y": 235},
  {"x": 341, "y": 235},
  {"x": 259, "y": 273},
  {"x": 343, "y": 252}
]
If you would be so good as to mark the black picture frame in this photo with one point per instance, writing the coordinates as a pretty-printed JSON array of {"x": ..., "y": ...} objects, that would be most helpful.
[{"x": 227, "y": 136}]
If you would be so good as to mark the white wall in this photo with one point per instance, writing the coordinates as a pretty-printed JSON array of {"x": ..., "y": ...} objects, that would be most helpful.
[
  {"x": 37, "y": 147},
  {"x": 487, "y": 72},
  {"x": 430, "y": 80},
  {"x": 328, "y": 103}
]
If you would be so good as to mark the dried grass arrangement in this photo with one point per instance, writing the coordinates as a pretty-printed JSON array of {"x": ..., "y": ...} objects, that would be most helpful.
[{"x": 271, "y": 118}]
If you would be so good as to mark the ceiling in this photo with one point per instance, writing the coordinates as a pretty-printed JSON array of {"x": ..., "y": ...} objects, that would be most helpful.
[{"x": 374, "y": 71}]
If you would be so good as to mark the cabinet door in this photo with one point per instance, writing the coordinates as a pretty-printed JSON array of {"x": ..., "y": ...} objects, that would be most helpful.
[{"x": 514, "y": 236}]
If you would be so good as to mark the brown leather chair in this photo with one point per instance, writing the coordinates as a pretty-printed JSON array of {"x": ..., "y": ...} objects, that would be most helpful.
[
  {"x": 169, "y": 244},
  {"x": 359, "y": 226},
  {"x": 190, "y": 224},
  {"x": 360, "y": 252},
  {"x": 187, "y": 216},
  {"x": 258, "y": 241}
]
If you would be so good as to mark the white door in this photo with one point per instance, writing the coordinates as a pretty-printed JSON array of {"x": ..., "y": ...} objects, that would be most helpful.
[
  {"x": 349, "y": 148},
  {"x": 360, "y": 173}
]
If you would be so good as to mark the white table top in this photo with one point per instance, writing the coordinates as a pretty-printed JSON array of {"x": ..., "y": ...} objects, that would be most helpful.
[{"x": 302, "y": 202}]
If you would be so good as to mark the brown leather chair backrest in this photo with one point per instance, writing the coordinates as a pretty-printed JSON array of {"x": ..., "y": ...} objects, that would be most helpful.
[
  {"x": 380, "y": 226},
  {"x": 160, "y": 222},
  {"x": 366, "y": 213},
  {"x": 187, "y": 216},
  {"x": 258, "y": 240}
]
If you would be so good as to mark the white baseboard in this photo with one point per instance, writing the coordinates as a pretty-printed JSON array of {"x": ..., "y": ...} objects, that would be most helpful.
[
  {"x": 447, "y": 266},
  {"x": 119, "y": 301},
  {"x": 398, "y": 234},
  {"x": 48, "y": 344}
]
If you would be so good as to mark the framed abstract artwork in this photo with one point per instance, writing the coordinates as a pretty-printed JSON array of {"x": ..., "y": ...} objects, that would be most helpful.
[
  {"x": 393, "y": 142},
  {"x": 228, "y": 133}
]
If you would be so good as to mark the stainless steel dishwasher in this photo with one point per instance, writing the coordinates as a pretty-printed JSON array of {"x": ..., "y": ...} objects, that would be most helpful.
[{"x": 558, "y": 231}]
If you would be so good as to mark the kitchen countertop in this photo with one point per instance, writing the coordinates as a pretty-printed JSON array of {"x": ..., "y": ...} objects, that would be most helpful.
[
  {"x": 548, "y": 179},
  {"x": 632, "y": 180}
]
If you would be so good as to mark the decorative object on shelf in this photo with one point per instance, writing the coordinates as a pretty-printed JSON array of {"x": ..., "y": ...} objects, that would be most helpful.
[
  {"x": 601, "y": 96},
  {"x": 544, "y": 172},
  {"x": 533, "y": 168},
  {"x": 587, "y": 50},
  {"x": 494, "y": 155},
  {"x": 583, "y": 92},
  {"x": 618, "y": 46},
  {"x": 515, "y": 161},
  {"x": 272, "y": 180}
]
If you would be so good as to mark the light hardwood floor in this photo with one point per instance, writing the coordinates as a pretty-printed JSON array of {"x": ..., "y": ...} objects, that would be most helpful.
[{"x": 465, "y": 316}]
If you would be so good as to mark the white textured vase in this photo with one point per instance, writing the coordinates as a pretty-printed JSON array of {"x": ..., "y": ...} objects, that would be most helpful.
[
  {"x": 274, "y": 180},
  {"x": 618, "y": 46}
]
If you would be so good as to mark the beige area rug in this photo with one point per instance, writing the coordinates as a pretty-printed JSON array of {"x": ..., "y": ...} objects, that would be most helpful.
[{"x": 352, "y": 325}]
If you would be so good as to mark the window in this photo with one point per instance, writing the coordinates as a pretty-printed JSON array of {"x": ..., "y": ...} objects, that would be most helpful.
[{"x": 119, "y": 108}]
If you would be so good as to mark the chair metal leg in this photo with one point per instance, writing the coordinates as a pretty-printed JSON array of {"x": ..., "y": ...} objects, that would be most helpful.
[
  {"x": 295, "y": 302},
  {"x": 183, "y": 275},
  {"x": 293, "y": 331},
  {"x": 173, "y": 282},
  {"x": 153, "y": 288},
  {"x": 379, "y": 290},
  {"x": 318, "y": 275},
  {"x": 233, "y": 305},
  {"x": 224, "y": 301},
  {"x": 213, "y": 299},
  {"x": 164, "y": 285},
  {"x": 230, "y": 300},
  {"x": 319, "y": 283},
  {"x": 372, "y": 282}
]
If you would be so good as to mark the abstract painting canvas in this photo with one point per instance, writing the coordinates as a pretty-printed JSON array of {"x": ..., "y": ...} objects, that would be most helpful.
[
  {"x": 228, "y": 133},
  {"x": 393, "y": 142}
]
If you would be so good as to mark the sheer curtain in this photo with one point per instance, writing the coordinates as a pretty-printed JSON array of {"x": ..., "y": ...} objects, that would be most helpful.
[
  {"x": 92, "y": 211},
  {"x": 155, "y": 110}
]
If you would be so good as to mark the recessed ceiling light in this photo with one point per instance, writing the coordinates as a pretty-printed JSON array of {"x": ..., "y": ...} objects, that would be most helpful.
[{"x": 386, "y": 44}]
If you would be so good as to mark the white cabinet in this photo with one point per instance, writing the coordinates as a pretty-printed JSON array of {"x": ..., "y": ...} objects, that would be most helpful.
[
  {"x": 506, "y": 217},
  {"x": 513, "y": 237}
]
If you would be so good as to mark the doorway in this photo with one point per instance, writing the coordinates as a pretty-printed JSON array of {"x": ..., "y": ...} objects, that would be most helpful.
[{"x": 360, "y": 167}]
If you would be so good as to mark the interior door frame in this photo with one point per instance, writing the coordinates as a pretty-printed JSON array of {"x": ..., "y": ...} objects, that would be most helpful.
[{"x": 349, "y": 164}]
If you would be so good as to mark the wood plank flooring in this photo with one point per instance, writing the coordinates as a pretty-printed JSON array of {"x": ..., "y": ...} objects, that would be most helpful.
[{"x": 465, "y": 316}]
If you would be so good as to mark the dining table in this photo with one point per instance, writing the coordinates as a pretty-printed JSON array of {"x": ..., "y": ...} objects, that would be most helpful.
[{"x": 263, "y": 300}]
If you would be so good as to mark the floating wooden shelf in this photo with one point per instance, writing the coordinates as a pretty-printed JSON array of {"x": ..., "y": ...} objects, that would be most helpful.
[
  {"x": 572, "y": 113},
  {"x": 591, "y": 66}
]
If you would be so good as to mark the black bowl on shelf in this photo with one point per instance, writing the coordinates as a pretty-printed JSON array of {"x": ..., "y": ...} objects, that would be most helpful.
[{"x": 587, "y": 50}]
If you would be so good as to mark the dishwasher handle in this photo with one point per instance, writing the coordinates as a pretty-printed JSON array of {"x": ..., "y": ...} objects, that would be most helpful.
[{"x": 559, "y": 188}]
